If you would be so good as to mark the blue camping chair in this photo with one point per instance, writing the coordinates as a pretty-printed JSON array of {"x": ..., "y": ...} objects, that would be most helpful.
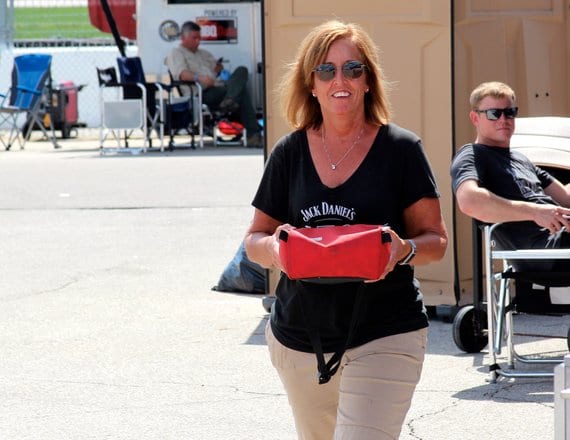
[{"x": 31, "y": 82}]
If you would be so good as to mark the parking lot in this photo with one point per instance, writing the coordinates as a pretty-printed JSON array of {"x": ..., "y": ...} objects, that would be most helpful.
[{"x": 109, "y": 328}]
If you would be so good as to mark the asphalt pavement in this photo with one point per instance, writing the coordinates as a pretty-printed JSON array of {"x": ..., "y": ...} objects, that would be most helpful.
[{"x": 110, "y": 329}]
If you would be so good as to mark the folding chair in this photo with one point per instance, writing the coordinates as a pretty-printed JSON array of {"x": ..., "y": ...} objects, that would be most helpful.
[
  {"x": 528, "y": 292},
  {"x": 199, "y": 119},
  {"x": 28, "y": 94},
  {"x": 146, "y": 98},
  {"x": 217, "y": 124},
  {"x": 489, "y": 320},
  {"x": 133, "y": 79},
  {"x": 107, "y": 76},
  {"x": 119, "y": 114}
]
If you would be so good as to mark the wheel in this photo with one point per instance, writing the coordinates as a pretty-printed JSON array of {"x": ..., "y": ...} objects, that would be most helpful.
[
  {"x": 267, "y": 303},
  {"x": 469, "y": 329},
  {"x": 65, "y": 131}
]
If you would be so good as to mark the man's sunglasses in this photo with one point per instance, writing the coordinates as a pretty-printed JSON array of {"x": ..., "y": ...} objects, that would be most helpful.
[
  {"x": 494, "y": 114},
  {"x": 350, "y": 70}
]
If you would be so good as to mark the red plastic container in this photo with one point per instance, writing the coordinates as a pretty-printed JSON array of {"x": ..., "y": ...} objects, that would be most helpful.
[{"x": 70, "y": 91}]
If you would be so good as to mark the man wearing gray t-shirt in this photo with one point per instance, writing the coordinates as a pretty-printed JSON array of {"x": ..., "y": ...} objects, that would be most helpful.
[{"x": 494, "y": 184}]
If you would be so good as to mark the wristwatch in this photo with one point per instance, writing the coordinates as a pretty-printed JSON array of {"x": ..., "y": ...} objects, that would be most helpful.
[{"x": 408, "y": 258}]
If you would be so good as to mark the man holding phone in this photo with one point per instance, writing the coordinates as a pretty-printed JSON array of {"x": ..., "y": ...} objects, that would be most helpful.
[
  {"x": 494, "y": 184},
  {"x": 221, "y": 91}
]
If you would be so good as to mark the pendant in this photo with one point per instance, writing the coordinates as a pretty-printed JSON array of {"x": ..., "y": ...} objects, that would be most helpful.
[{"x": 333, "y": 166}]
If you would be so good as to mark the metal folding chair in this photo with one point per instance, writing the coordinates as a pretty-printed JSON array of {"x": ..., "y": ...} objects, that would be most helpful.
[
  {"x": 194, "y": 123},
  {"x": 142, "y": 104},
  {"x": 133, "y": 80},
  {"x": 118, "y": 114},
  {"x": 527, "y": 292},
  {"x": 28, "y": 96}
]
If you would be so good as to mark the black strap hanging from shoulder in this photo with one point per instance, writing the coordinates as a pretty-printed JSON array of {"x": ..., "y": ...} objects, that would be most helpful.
[{"x": 326, "y": 370}]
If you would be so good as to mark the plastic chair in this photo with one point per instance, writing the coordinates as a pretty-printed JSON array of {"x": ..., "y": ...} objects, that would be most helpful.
[
  {"x": 28, "y": 95},
  {"x": 489, "y": 320}
]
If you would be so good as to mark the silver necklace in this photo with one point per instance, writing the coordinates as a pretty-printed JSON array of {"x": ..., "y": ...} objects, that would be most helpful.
[{"x": 334, "y": 165}]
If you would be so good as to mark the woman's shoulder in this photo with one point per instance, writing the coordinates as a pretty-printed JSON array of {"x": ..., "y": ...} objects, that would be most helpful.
[
  {"x": 291, "y": 143},
  {"x": 398, "y": 133},
  {"x": 398, "y": 141},
  {"x": 294, "y": 137}
]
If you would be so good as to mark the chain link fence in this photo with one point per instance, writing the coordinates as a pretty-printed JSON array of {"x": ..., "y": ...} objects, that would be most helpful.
[{"x": 63, "y": 29}]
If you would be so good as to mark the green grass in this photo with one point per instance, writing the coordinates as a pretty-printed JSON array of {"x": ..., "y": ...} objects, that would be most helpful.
[{"x": 54, "y": 23}]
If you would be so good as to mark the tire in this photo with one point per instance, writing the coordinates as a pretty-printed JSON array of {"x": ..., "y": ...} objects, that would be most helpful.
[
  {"x": 267, "y": 303},
  {"x": 568, "y": 339},
  {"x": 65, "y": 131},
  {"x": 469, "y": 329}
]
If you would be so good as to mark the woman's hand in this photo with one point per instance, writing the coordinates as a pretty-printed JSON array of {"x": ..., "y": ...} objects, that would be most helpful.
[
  {"x": 424, "y": 224},
  {"x": 262, "y": 240},
  {"x": 399, "y": 249},
  {"x": 273, "y": 245}
]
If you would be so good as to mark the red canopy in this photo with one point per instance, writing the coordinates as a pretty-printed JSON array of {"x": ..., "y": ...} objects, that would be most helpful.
[{"x": 124, "y": 13}]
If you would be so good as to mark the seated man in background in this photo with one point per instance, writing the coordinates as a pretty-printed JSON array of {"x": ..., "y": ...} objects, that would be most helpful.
[
  {"x": 188, "y": 62},
  {"x": 496, "y": 185}
]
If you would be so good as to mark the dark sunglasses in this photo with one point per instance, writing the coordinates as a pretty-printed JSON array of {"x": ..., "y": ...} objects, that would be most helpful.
[
  {"x": 494, "y": 114},
  {"x": 350, "y": 70}
]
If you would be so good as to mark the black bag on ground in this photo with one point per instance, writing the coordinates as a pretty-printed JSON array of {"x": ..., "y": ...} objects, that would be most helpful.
[{"x": 242, "y": 275}]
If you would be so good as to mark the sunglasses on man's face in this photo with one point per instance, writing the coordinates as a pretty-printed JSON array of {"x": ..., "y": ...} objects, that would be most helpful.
[
  {"x": 350, "y": 70},
  {"x": 494, "y": 114}
]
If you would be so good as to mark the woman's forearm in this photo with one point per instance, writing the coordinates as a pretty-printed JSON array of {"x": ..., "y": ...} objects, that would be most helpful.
[{"x": 259, "y": 247}]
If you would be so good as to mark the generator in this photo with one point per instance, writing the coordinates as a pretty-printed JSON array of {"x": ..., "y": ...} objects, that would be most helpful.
[
  {"x": 63, "y": 108},
  {"x": 60, "y": 108}
]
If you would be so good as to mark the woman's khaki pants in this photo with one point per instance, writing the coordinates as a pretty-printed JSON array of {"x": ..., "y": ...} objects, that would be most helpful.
[{"x": 368, "y": 398}]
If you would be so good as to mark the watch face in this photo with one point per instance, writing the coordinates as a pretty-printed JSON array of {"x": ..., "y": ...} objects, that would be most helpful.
[{"x": 169, "y": 30}]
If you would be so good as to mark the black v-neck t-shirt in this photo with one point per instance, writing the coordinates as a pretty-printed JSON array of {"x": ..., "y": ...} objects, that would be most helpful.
[{"x": 394, "y": 174}]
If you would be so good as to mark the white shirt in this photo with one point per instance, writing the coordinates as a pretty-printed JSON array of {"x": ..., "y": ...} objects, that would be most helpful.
[{"x": 200, "y": 62}]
